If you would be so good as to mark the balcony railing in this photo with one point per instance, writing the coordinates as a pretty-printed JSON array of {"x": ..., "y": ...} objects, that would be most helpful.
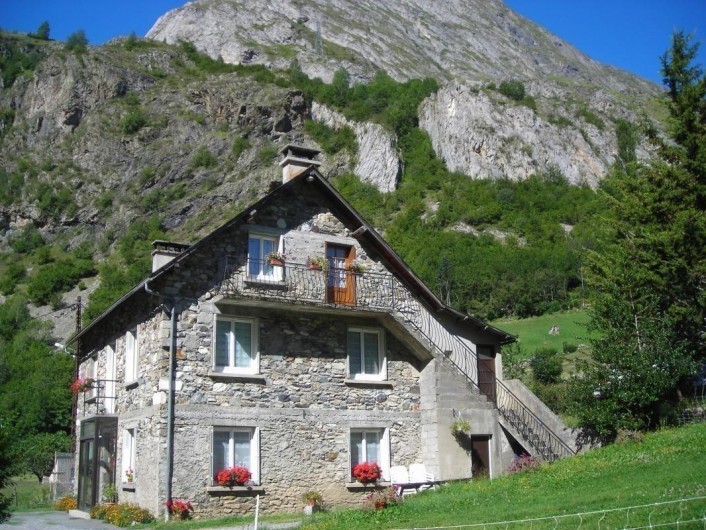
[
  {"x": 100, "y": 398},
  {"x": 297, "y": 282}
]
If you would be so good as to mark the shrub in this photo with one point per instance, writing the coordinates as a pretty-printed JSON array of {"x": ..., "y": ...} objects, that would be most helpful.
[
  {"x": 240, "y": 145},
  {"x": 332, "y": 141},
  {"x": 77, "y": 42},
  {"x": 513, "y": 89},
  {"x": 124, "y": 514},
  {"x": 367, "y": 472},
  {"x": 57, "y": 278},
  {"x": 590, "y": 117},
  {"x": 66, "y": 503},
  {"x": 381, "y": 499},
  {"x": 180, "y": 509},
  {"x": 568, "y": 347},
  {"x": 546, "y": 365},
  {"x": 133, "y": 121},
  {"x": 27, "y": 240},
  {"x": 267, "y": 154},
  {"x": 203, "y": 158},
  {"x": 233, "y": 476},
  {"x": 523, "y": 462},
  {"x": 14, "y": 274}
]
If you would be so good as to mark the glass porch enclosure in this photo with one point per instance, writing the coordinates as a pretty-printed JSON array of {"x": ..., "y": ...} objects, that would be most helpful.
[{"x": 96, "y": 460}]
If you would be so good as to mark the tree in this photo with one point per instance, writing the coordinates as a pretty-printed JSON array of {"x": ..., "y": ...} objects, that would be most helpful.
[
  {"x": 650, "y": 302},
  {"x": 38, "y": 452},
  {"x": 5, "y": 469},
  {"x": 42, "y": 32},
  {"x": 77, "y": 41}
]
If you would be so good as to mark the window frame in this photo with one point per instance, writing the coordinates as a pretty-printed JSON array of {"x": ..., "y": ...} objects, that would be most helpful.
[
  {"x": 90, "y": 371},
  {"x": 265, "y": 272},
  {"x": 385, "y": 451},
  {"x": 129, "y": 452},
  {"x": 131, "y": 355},
  {"x": 382, "y": 355},
  {"x": 254, "y": 367},
  {"x": 254, "y": 450}
]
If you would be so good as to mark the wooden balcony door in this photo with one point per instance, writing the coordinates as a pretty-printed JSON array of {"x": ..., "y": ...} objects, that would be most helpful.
[
  {"x": 486, "y": 371},
  {"x": 340, "y": 288}
]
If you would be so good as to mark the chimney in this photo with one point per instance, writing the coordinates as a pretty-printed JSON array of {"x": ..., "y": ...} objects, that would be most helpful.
[
  {"x": 296, "y": 160},
  {"x": 165, "y": 251}
]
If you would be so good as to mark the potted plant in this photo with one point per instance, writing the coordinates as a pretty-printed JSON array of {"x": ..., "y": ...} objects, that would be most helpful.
[
  {"x": 110, "y": 494},
  {"x": 179, "y": 509},
  {"x": 313, "y": 500},
  {"x": 233, "y": 476},
  {"x": 129, "y": 475},
  {"x": 367, "y": 472},
  {"x": 356, "y": 267},
  {"x": 81, "y": 384},
  {"x": 275, "y": 258},
  {"x": 317, "y": 263}
]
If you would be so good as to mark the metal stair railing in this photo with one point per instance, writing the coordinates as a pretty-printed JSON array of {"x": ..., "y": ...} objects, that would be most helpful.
[
  {"x": 540, "y": 436},
  {"x": 382, "y": 291}
]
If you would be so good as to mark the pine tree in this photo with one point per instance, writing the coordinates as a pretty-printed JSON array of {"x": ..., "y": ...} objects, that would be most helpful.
[{"x": 650, "y": 300}]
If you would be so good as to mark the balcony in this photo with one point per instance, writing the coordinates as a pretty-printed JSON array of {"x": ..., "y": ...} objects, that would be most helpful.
[
  {"x": 299, "y": 283},
  {"x": 99, "y": 400}
]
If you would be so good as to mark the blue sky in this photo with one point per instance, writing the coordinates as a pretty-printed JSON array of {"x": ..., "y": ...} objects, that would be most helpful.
[{"x": 629, "y": 34}]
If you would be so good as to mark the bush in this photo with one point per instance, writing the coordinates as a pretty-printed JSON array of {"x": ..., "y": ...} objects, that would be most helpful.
[
  {"x": 66, "y": 503},
  {"x": 133, "y": 121},
  {"x": 240, "y": 145},
  {"x": 523, "y": 462},
  {"x": 513, "y": 89},
  {"x": 77, "y": 42},
  {"x": 569, "y": 347},
  {"x": 57, "y": 277},
  {"x": 379, "y": 500},
  {"x": 546, "y": 365},
  {"x": 27, "y": 240},
  {"x": 14, "y": 274},
  {"x": 332, "y": 141},
  {"x": 124, "y": 514},
  {"x": 203, "y": 159}
]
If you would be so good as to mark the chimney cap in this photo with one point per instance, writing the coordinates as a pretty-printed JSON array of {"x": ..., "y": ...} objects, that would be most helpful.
[
  {"x": 171, "y": 247},
  {"x": 299, "y": 151}
]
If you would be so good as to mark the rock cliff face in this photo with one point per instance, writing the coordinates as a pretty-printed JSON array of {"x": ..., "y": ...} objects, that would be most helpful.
[
  {"x": 377, "y": 161},
  {"x": 468, "y": 43}
]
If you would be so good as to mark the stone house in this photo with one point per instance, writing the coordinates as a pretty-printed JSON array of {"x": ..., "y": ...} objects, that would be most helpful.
[{"x": 296, "y": 371}]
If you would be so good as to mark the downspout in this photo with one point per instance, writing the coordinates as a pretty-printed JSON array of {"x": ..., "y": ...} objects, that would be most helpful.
[{"x": 170, "y": 400}]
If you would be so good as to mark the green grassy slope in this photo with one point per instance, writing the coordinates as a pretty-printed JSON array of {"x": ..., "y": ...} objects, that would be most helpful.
[
  {"x": 668, "y": 465},
  {"x": 533, "y": 333}
]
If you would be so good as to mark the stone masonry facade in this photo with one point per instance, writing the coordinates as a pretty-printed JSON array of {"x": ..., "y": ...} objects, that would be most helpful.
[{"x": 301, "y": 400}]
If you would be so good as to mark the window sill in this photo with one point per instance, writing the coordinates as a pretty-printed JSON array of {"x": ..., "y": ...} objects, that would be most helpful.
[
  {"x": 128, "y": 486},
  {"x": 266, "y": 283},
  {"x": 372, "y": 383},
  {"x": 367, "y": 487},
  {"x": 238, "y": 491},
  {"x": 132, "y": 384},
  {"x": 238, "y": 378}
]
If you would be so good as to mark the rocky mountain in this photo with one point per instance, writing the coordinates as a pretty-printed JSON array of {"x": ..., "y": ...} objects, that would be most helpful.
[{"x": 467, "y": 45}]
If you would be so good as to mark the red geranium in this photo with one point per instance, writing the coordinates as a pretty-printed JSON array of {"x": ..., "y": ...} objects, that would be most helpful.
[
  {"x": 81, "y": 384},
  {"x": 180, "y": 508},
  {"x": 233, "y": 476},
  {"x": 367, "y": 472}
]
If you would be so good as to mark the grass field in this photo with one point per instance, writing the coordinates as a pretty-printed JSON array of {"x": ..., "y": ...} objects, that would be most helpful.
[
  {"x": 26, "y": 493},
  {"x": 667, "y": 466},
  {"x": 533, "y": 333}
]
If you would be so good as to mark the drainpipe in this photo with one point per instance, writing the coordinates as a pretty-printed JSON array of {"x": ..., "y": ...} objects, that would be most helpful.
[
  {"x": 170, "y": 405},
  {"x": 170, "y": 398}
]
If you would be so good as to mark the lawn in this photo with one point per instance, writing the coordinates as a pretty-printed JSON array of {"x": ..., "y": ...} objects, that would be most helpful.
[
  {"x": 26, "y": 493},
  {"x": 533, "y": 333},
  {"x": 667, "y": 466}
]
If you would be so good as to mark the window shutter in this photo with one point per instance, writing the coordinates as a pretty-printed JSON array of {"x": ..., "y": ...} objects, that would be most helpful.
[
  {"x": 222, "y": 342},
  {"x": 243, "y": 344},
  {"x": 372, "y": 358},
  {"x": 354, "y": 364},
  {"x": 221, "y": 442}
]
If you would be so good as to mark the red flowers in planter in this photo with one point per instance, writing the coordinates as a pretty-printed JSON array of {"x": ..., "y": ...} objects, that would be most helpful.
[
  {"x": 233, "y": 476},
  {"x": 367, "y": 472},
  {"x": 81, "y": 384},
  {"x": 180, "y": 508}
]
